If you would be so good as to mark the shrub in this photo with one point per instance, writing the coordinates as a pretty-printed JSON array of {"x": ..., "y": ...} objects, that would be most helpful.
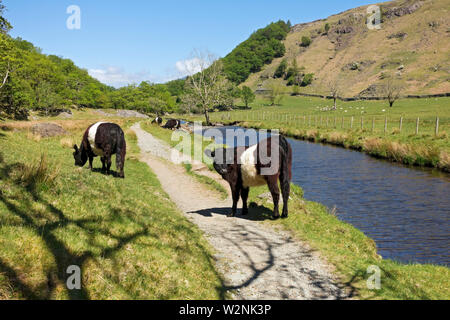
[
  {"x": 37, "y": 175},
  {"x": 307, "y": 79},
  {"x": 306, "y": 41}
]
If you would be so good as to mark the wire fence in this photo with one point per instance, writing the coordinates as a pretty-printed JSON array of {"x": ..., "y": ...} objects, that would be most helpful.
[{"x": 376, "y": 124}]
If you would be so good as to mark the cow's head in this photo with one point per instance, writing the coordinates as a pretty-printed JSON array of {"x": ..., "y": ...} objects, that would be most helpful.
[
  {"x": 79, "y": 156},
  {"x": 222, "y": 160}
]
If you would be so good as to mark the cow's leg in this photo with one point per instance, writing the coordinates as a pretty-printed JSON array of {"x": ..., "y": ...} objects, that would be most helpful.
[
  {"x": 91, "y": 159},
  {"x": 108, "y": 162},
  {"x": 272, "y": 182},
  {"x": 103, "y": 164},
  {"x": 120, "y": 159},
  {"x": 235, "y": 191},
  {"x": 285, "y": 190},
  {"x": 244, "y": 196}
]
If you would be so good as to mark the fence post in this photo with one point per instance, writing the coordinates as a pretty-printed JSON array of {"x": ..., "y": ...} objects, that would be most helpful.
[
  {"x": 401, "y": 124},
  {"x": 436, "y": 132},
  {"x": 342, "y": 125},
  {"x": 373, "y": 124},
  {"x": 362, "y": 123},
  {"x": 351, "y": 123},
  {"x": 417, "y": 126},
  {"x": 385, "y": 125}
]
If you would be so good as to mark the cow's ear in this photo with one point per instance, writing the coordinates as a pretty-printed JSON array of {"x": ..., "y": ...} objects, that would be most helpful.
[
  {"x": 75, "y": 147},
  {"x": 209, "y": 153}
]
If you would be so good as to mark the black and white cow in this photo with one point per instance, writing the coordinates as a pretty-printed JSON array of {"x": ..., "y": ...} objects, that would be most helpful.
[
  {"x": 172, "y": 124},
  {"x": 244, "y": 169},
  {"x": 102, "y": 139},
  {"x": 158, "y": 120}
]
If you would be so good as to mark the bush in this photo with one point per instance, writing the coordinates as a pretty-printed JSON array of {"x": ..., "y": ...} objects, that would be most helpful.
[
  {"x": 307, "y": 79},
  {"x": 281, "y": 70},
  {"x": 306, "y": 41}
]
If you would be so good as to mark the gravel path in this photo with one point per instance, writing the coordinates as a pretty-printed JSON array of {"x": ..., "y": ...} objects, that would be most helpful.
[{"x": 256, "y": 261}]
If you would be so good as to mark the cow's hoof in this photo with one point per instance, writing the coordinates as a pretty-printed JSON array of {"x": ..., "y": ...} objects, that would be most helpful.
[
  {"x": 275, "y": 217},
  {"x": 231, "y": 215},
  {"x": 284, "y": 216}
]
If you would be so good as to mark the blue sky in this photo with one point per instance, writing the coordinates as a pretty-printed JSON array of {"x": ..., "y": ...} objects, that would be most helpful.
[{"x": 130, "y": 41}]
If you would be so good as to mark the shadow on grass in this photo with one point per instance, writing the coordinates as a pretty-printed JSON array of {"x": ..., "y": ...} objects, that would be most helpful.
[{"x": 59, "y": 249}]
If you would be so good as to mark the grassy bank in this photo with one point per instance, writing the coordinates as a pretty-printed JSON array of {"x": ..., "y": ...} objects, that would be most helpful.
[
  {"x": 312, "y": 119},
  {"x": 127, "y": 237}
]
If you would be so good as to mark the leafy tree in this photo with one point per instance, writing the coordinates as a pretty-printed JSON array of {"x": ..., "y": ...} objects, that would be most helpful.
[
  {"x": 306, "y": 41},
  {"x": 260, "y": 48},
  {"x": 247, "y": 95},
  {"x": 307, "y": 79},
  {"x": 275, "y": 92},
  {"x": 281, "y": 70},
  {"x": 327, "y": 27},
  {"x": 5, "y": 26}
]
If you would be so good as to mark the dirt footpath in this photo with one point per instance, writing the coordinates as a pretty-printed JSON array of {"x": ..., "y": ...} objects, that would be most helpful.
[{"x": 256, "y": 261}]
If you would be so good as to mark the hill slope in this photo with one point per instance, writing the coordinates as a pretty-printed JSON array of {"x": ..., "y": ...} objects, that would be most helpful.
[{"x": 412, "y": 45}]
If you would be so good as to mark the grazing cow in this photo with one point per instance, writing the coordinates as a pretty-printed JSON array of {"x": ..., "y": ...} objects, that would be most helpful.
[
  {"x": 158, "y": 120},
  {"x": 172, "y": 124},
  {"x": 243, "y": 168},
  {"x": 102, "y": 139}
]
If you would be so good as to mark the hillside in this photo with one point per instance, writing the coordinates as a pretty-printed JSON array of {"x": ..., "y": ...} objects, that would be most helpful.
[{"x": 412, "y": 45}]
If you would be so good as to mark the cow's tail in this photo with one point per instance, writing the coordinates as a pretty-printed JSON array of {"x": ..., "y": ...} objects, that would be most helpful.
[{"x": 286, "y": 158}]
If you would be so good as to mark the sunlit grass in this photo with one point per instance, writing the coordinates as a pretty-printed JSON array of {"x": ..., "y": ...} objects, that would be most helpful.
[{"x": 129, "y": 239}]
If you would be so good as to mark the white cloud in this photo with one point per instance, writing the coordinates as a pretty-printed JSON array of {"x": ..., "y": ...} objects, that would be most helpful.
[
  {"x": 190, "y": 66},
  {"x": 118, "y": 77}
]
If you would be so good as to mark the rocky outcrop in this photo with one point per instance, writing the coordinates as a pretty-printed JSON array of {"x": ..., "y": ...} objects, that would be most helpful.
[
  {"x": 46, "y": 130},
  {"x": 401, "y": 11}
]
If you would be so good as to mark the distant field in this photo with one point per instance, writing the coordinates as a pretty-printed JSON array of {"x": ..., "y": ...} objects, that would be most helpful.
[{"x": 313, "y": 119}]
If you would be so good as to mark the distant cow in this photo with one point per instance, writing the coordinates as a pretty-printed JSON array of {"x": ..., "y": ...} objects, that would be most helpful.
[
  {"x": 102, "y": 139},
  {"x": 243, "y": 170},
  {"x": 158, "y": 120},
  {"x": 172, "y": 124}
]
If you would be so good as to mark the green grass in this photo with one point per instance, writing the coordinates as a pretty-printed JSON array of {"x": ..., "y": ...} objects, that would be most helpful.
[
  {"x": 207, "y": 181},
  {"x": 351, "y": 252},
  {"x": 305, "y": 118},
  {"x": 129, "y": 239}
]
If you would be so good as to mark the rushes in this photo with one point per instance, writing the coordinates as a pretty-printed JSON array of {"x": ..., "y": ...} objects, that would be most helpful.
[{"x": 38, "y": 175}]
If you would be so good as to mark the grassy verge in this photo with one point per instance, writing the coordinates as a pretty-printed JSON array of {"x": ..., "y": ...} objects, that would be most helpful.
[
  {"x": 207, "y": 181},
  {"x": 127, "y": 237},
  {"x": 312, "y": 119},
  {"x": 351, "y": 252}
]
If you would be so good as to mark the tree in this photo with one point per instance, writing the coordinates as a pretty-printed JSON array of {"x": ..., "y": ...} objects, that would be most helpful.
[
  {"x": 5, "y": 26},
  {"x": 275, "y": 92},
  {"x": 391, "y": 89},
  {"x": 207, "y": 83},
  {"x": 334, "y": 88},
  {"x": 327, "y": 27},
  {"x": 281, "y": 70},
  {"x": 247, "y": 95},
  {"x": 307, "y": 79}
]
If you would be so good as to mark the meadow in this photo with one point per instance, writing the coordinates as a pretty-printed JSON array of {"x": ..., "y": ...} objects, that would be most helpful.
[
  {"x": 128, "y": 238},
  {"x": 369, "y": 126}
]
